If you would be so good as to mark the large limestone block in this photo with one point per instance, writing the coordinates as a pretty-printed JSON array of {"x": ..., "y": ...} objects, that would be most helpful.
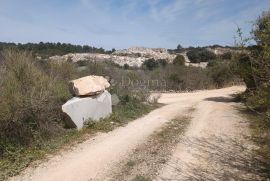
[
  {"x": 89, "y": 85},
  {"x": 83, "y": 109}
]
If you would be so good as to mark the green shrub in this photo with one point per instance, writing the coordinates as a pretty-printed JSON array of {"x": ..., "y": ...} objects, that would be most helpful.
[
  {"x": 150, "y": 64},
  {"x": 80, "y": 63},
  {"x": 245, "y": 70},
  {"x": 162, "y": 62},
  {"x": 179, "y": 60},
  {"x": 198, "y": 55},
  {"x": 226, "y": 56},
  {"x": 259, "y": 99},
  {"x": 126, "y": 66},
  {"x": 220, "y": 73},
  {"x": 30, "y": 101}
]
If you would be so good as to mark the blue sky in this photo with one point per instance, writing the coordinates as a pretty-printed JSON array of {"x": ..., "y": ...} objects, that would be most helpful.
[{"x": 126, "y": 23}]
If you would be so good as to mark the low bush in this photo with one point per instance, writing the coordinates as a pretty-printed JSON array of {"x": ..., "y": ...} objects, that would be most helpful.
[
  {"x": 162, "y": 62},
  {"x": 198, "y": 55},
  {"x": 226, "y": 56},
  {"x": 220, "y": 73},
  {"x": 126, "y": 66},
  {"x": 179, "y": 60},
  {"x": 30, "y": 101},
  {"x": 150, "y": 64}
]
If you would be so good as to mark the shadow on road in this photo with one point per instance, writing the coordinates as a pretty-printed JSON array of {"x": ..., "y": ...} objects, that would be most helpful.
[{"x": 220, "y": 99}]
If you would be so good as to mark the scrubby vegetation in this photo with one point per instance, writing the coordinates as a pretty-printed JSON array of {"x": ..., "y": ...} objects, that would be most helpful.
[
  {"x": 200, "y": 55},
  {"x": 221, "y": 73},
  {"x": 253, "y": 65},
  {"x": 30, "y": 108},
  {"x": 179, "y": 60},
  {"x": 30, "y": 100},
  {"x": 154, "y": 76}
]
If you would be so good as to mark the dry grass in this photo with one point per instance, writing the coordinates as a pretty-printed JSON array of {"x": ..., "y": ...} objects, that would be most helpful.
[
  {"x": 146, "y": 160},
  {"x": 30, "y": 100}
]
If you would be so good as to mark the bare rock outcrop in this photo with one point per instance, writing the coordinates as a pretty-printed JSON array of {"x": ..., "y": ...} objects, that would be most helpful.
[
  {"x": 156, "y": 53},
  {"x": 133, "y": 57},
  {"x": 93, "y": 57}
]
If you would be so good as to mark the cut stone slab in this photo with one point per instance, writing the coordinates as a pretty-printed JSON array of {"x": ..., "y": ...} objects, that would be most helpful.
[
  {"x": 81, "y": 110},
  {"x": 88, "y": 86}
]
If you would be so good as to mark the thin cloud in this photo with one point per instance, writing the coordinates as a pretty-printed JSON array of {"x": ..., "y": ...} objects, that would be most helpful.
[{"x": 125, "y": 23}]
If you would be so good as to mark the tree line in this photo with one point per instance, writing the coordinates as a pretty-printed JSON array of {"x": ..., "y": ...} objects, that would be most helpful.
[{"x": 50, "y": 49}]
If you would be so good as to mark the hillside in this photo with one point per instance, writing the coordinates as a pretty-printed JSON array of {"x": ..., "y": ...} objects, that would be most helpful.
[
  {"x": 136, "y": 56},
  {"x": 133, "y": 57}
]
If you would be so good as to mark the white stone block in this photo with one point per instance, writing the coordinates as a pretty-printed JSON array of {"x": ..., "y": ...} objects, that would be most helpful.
[
  {"x": 88, "y": 86},
  {"x": 81, "y": 109}
]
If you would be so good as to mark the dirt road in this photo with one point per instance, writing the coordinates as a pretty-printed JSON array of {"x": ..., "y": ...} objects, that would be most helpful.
[{"x": 213, "y": 147}]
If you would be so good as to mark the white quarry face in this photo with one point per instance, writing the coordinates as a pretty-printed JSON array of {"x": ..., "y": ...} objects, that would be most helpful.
[
  {"x": 80, "y": 110},
  {"x": 120, "y": 57}
]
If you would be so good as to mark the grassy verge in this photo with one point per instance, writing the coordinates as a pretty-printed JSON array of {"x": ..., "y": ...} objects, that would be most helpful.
[
  {"x": 122, "y": 115},
  {"x": 17, "y": 158},
  {"x": 260, "y": 128},
  {"x": 260, "y": 135},
  {"x": 147, "y": 159}
]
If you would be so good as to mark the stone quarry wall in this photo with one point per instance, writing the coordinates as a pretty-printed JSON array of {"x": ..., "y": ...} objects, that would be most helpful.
[
  {"x": 134, "y": 57},
  {"x": 156, "y": 53}
]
